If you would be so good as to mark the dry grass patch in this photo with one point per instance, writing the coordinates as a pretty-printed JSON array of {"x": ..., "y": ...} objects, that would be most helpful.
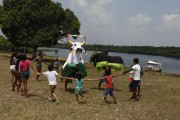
[{"x": 160, "y": 99}]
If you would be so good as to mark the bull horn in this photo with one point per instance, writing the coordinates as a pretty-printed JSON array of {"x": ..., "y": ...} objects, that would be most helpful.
[
  {"x": 84, "y": 41},
  {"x": 69, "y": 41}
]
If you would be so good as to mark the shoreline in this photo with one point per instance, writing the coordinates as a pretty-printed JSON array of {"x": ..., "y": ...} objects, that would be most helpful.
[{"x": 51, "y": 58}]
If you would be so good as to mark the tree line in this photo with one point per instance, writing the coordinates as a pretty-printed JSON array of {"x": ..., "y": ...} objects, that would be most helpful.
[{"x": 173, "y": 52}]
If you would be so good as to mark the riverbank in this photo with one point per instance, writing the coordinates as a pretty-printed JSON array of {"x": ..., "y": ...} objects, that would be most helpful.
[{"x": 159, "y": 101}]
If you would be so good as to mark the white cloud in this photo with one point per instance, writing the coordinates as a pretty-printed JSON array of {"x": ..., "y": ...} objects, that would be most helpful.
[
  {"x": 95, "y": 11},
  {"x": 170, "y": 22},
  {"x": 138, "y": 25},
  {"x": 139, "y": 20}
]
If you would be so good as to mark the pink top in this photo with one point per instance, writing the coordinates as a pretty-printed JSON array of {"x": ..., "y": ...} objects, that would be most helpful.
[{"x": 24, "y": 65}]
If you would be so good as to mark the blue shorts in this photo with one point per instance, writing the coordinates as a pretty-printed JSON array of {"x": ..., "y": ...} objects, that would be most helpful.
[
  {"x": 134, "y": 84},
  {"x": 109, "y": 91},
  {"x": 25, "y": 74}
]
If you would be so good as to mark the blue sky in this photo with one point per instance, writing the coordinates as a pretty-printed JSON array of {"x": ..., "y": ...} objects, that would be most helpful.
[{"x": 128, "y": 22}]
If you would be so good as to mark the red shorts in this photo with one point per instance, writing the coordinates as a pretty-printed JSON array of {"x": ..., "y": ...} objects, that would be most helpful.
[{"x": 130, "y": 79}]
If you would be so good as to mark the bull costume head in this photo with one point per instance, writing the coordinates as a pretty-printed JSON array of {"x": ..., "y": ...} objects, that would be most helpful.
[
  {"x": 75, "y": 60},
  {"x": 75, "y": 55}
]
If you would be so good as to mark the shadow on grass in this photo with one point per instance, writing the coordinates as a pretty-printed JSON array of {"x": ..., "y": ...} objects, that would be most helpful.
[{"x": 30, "y": 95}]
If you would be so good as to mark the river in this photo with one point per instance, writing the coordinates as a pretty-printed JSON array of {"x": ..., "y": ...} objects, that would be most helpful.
[{"x": 169, "y": 65}]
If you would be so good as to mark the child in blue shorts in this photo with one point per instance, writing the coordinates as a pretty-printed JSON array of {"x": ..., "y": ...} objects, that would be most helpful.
[{"x": 109, "y": 84}]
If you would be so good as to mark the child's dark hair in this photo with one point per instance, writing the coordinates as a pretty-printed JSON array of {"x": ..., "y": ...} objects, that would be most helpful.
[
  {"x": 50, "y": 67},
  {"x": 108, "y": 70},
  {"x": 23, "y": 57},
  {"x": 78, "y": 75},
  {"x": 136, "y": 60}
]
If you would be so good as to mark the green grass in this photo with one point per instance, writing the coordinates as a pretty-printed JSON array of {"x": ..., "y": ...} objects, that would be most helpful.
[{"x": 160, "y": 98}]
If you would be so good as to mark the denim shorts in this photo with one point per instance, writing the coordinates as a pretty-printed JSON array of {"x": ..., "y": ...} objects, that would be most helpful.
[
  {"x": 109, "y": 91},
  {"x": 25, "y": 74}
]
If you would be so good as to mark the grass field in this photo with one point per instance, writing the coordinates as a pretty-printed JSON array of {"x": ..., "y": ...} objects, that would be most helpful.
[{"x": 160, "y": 98}]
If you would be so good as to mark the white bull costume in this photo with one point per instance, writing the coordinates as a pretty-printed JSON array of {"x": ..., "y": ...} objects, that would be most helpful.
[{"x": 74, "y": 62}]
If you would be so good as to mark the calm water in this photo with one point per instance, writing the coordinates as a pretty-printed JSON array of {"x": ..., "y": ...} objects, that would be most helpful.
[{"x": 169, "y": 65}]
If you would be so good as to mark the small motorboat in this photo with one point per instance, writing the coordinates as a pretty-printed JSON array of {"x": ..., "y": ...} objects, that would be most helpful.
[{"x": 154, "y": 65}]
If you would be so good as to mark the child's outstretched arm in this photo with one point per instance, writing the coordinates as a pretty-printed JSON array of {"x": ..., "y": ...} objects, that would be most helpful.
[
  {"x": 40, "y": 73},
  {"x": 33, "y": 68},
  {"x": 127, "y": 71},
  {"x": 69, "y": 78},
  {"x": 94, "y": 79},
  {"x": 44, "y": 61},
  {"x": 117, "y": 75},
  {"x": 60, "y": 75}
]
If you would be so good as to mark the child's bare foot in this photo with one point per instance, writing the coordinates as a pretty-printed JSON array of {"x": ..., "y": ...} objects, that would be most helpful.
[
  {"x": 24, "y": 95},
  {"x": 131, "y": 98},
  {"x": 85, "y": 101},
  {"x": 50, "y": 99},
  {"x": 135, "y": 99},
  {"x": 57, "y": 102}
]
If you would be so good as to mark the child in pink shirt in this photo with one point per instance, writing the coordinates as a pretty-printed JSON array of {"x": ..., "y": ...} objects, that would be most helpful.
[{"x": 24, "y": 71}]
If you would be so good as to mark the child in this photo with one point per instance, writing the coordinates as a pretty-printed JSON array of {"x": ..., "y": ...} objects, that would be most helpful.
[
  {"x": 24, "y": 71},
  {"x": 56, "y": 65},
  {"x": 17, "y": 81},
  {"x": 79, "y": 86},
  {"x": 140, "y": 83},
  {"x": 13, "y": 61},
  {"x": 51, "y": 76},
  {"x": 109, "y": 84},
  {"x": 39, "y": 60},
  {"x": 130, "y": 78},
  {"x": 136, "y": 68},
  {"x": 103, "y": 80},
  {"x": 100, "y": 82}
]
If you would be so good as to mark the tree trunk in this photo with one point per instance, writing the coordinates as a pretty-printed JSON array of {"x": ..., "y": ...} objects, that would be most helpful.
[{"x": 34, "y": 52}]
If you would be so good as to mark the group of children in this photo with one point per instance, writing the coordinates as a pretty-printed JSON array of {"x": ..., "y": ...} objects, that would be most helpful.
[{"x": 22, "y": 74}]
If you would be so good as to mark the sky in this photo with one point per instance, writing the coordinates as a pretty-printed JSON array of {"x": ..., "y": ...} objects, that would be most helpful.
[{"x": 128, "y": 22}]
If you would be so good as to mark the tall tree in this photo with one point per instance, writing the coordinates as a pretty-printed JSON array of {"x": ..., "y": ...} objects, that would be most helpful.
[
  {"x": 34, "y": 23},
  {"x": 4, "y": 43}
]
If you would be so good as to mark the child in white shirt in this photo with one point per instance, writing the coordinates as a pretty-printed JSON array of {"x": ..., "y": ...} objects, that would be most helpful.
[{"x": 51, "y": 76}]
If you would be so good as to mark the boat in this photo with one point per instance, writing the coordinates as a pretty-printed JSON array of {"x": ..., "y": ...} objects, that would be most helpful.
[{"x": 154, "y": 65}]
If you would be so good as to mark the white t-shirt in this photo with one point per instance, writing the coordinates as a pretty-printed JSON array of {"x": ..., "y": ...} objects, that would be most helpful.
[
  {"x": 137, "y": 72},
  {"x": 51, "y": 76}
]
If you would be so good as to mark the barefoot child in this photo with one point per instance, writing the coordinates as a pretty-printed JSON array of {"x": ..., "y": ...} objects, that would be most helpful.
[
  {"x": 136, "y": 68},
  {"x": 79, "y": 85},
  {"x": 24, "y": 71},
  {"x": 39, "y": 60},
  {"x": 51, "y": 76},
  {"x": 109, "y": 84}
]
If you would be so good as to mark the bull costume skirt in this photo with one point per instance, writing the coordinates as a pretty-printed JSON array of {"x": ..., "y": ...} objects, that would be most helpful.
[{"x": 71, "y": 69}]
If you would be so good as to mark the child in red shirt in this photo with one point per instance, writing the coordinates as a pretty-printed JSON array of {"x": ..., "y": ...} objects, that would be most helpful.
[{"x": 109, "y": 84}]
